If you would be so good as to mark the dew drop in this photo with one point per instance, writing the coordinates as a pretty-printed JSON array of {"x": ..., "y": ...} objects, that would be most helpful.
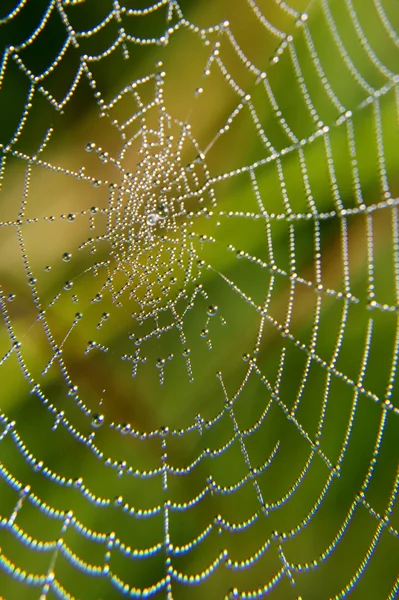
[
  {"x": 204, "y": 332},
  {"x": 68, "y": 285},
  {"x": 31, "y": 281},
  {"x": 160, "y": 362},
  {"x": 152, "y": 219},
  {"x": 97, "y": 420},
  {"x": 212, "y": 310},
  {"x": 164, "y": 430},
  {"x": 162, "y": 211},
  {"x": 90, "y": 147},
  {"x": 10, "y": 297},
  {"x": 125, "y": 428},
  {"x": 37, "y": 466},
  {"x": 186, "y": 352},
  {"x": 66, "y": 256},
  {"x": 71, "y": 217}
]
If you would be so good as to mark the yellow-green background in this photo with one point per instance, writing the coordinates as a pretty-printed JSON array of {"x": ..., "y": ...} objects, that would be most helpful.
[{"x": 142, "y": 402}]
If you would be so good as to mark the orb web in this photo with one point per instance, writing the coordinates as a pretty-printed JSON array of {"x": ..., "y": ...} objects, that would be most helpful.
[{"x": 199, "y": 291}]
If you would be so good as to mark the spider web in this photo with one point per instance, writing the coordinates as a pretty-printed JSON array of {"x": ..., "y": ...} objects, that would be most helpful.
[{"x": 200, "y": 290}]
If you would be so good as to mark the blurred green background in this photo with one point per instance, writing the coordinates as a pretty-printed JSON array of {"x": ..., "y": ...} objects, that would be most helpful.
[{"x": 326, "y": 356}]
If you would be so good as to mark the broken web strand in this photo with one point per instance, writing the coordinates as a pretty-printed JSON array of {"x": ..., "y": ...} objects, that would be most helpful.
[{"x": 48, "y": 580}]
